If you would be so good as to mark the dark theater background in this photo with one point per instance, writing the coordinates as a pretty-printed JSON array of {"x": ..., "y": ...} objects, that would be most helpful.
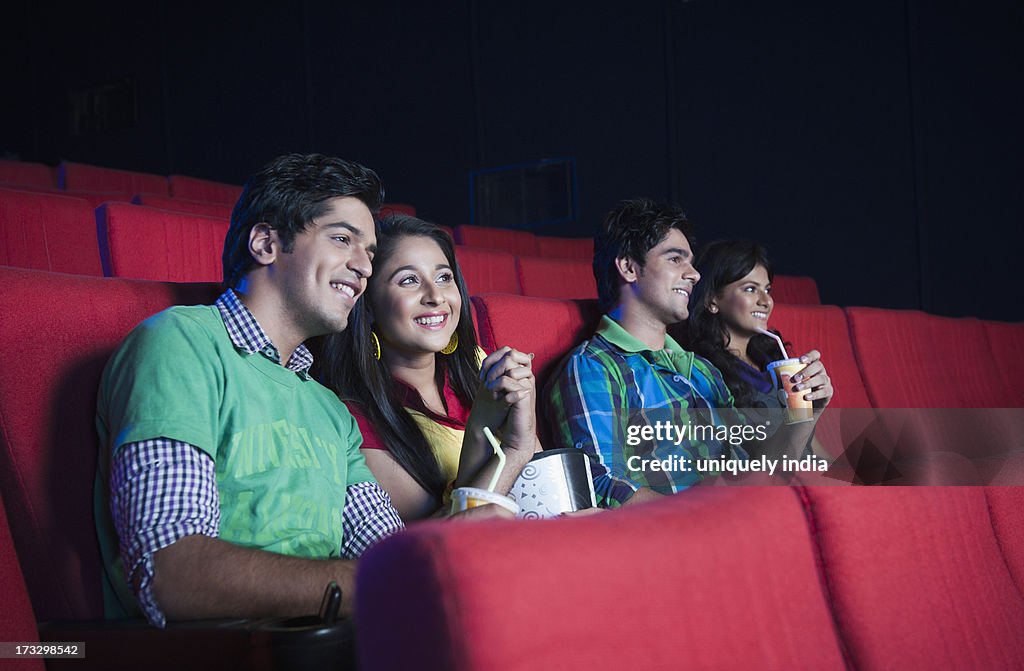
[{"x": 875, "y": 146}]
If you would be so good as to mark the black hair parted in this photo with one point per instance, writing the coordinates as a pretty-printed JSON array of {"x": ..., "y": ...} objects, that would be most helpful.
[
  {"x": 631, "y": 230},
  {"x": 287, "y": 194},
  {"x": 351, "y": 370}
]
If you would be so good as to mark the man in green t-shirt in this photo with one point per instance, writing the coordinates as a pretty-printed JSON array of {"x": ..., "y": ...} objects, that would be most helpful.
[{"x": 230, "y": 482}]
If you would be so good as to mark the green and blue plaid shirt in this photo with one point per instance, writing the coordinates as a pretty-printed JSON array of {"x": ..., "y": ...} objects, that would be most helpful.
[{"x": 613, "y": 381}]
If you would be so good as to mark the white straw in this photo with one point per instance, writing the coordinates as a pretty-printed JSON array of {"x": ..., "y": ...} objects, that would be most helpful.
[
  {"x": 501, "y": 459},
  {"x": 778, "y": 340}
]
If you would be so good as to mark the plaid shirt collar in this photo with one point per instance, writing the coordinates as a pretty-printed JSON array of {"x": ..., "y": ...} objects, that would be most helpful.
[
  {"x": 673, "y": 356},
  {"x": 248, "y": 336}
]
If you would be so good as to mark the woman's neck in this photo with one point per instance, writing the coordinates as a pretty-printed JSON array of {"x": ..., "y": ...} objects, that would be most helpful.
[{"x": 417, "y": 371}]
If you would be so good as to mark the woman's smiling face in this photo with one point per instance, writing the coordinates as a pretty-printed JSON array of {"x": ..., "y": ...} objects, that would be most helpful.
[
  {"x": 746, "y": 304},
  {"x": 414, "y": 297}
]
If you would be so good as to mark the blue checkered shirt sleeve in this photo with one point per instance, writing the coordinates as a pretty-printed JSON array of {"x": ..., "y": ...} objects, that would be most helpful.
[
  {"x": 161, "y": 490},
  {"x": 367, "y": 518}
]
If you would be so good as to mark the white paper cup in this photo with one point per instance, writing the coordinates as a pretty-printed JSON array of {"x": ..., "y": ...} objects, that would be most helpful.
[{"x": 465, "y": 498}]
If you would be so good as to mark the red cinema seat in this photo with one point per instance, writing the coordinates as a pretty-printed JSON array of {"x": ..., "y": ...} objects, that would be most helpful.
[
  {"x": 917, "y": 578},
  {"x": 17, "y": 621},
  {"x": 46, "y": 231},
  {"x": 565, "y": 248},
  {"x": 547, "y": 327},
  {"x": 556, "y": 278},
  {"x": 1007, "y": 343},
  {"x": 193, "y": 188},
  {"x": 28, "y": 174},
  {"x": 207, "y": 209},
  {"x": 97, "y": 198},
  {"x": 1004, "y": 505},
  {"x": 795, "y": 290},
  {"x": 63, "y": 329},
  {"x": 910, "y": 359},
  {"x": 702, "y": 557},
  {"x": 487, "y": 271},
  {"x": 824, "y": 328},
  {"x": 944, "y": 369},
  {"x": 148, "y": 244},
  {"x": 81, "y": 177},
  {"x": 520, "y": 243},
  {"x": 94, "y": 198},
  {"x": 397, "y": 208}
]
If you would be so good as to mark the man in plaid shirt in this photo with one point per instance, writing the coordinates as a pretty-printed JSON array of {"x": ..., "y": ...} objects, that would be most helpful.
[
  {"x": 231, "y": 483},
  {"x": 631, "y": 374}
]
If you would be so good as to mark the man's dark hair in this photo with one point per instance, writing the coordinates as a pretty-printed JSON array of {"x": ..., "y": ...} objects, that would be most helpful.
[
  {"x": 287, "y": 194},
  {"x": 631, "y": 230}
]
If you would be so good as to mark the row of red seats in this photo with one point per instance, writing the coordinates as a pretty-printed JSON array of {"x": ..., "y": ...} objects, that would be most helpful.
[
  {"x": 494, "y": 271},
  {"x": 48, "y": 444},
  {"x": 160, "y": 238},
  {"x": 80, "y": 177},
  {"x": 876, "y": 358},
  {"x": 524, "y": 243},
  {"x": 150, "y": 241}
]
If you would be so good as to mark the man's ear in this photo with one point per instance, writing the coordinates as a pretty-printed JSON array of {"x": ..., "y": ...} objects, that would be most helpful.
[
  {"x": 628, "y": 269},
  {"x": 263, "y": 244}
]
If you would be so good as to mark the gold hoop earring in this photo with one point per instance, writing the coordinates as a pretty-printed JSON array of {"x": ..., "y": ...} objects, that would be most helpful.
[
  {"x": 375, "y": 345},
  {"x": 452, "y": 345}
]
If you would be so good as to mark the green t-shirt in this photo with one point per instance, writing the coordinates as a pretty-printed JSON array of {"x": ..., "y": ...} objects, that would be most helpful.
[{"x": 284, "y": 446}]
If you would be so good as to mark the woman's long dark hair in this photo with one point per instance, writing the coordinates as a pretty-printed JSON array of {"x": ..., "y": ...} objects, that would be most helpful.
[
  {"x": 721, "y": 263},
  {"x": 351, "y": 370}
]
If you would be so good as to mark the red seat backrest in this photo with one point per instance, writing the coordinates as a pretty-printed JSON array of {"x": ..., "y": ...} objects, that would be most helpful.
[
  {"x": 146, "y": 243},
  {"x": 521, "y": 243},
  {"x": 556, "y": 278},
  {"x": 17, "y": 621},
  {"x": 565, "y": 248},
  {"x": 910, "y": 359},
  {"x": 547, "y": 327},
  {"x": 62, "y": 329},
  {"x": 81, "y": 177},
  {"x": 207, "y": 209},
  {"x": 1007, "y": 343},
  {"x": 97, "y": 198},
  {"x": 796, "y": 290},
  {"x": 704, "y": 553},
  {"x": 29, "y": 174},
  {"x": 906, "y": 598},
  {"x": 46, "y": 231},
  {"x": 487, "y": 270},
  {"x": 193, "y": 188},
  {"x": 824, "y": 328},
  {"x": 397, "y": 208}
]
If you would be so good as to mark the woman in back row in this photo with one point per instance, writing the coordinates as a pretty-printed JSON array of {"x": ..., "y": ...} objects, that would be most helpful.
[
  {"x": 730, "y": 306},
  {"x": 409, "y": 369}
]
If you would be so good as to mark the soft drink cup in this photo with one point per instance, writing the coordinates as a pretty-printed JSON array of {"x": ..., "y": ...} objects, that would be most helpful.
[{"x": 797, "y": 409}]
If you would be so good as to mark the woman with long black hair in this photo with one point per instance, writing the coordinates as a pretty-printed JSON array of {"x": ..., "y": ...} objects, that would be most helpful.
[
  {"x": 409, "y": 369},
  {"x": 730, "y": 306}
]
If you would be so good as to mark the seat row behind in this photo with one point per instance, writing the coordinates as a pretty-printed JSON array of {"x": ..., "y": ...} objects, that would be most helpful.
[{"x": 163, "y": 238}]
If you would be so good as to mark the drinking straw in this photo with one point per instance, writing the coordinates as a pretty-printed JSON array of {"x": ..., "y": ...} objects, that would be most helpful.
[
  {"x": 501, "y": 459},
  {"x": 778, "y": 340}
]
